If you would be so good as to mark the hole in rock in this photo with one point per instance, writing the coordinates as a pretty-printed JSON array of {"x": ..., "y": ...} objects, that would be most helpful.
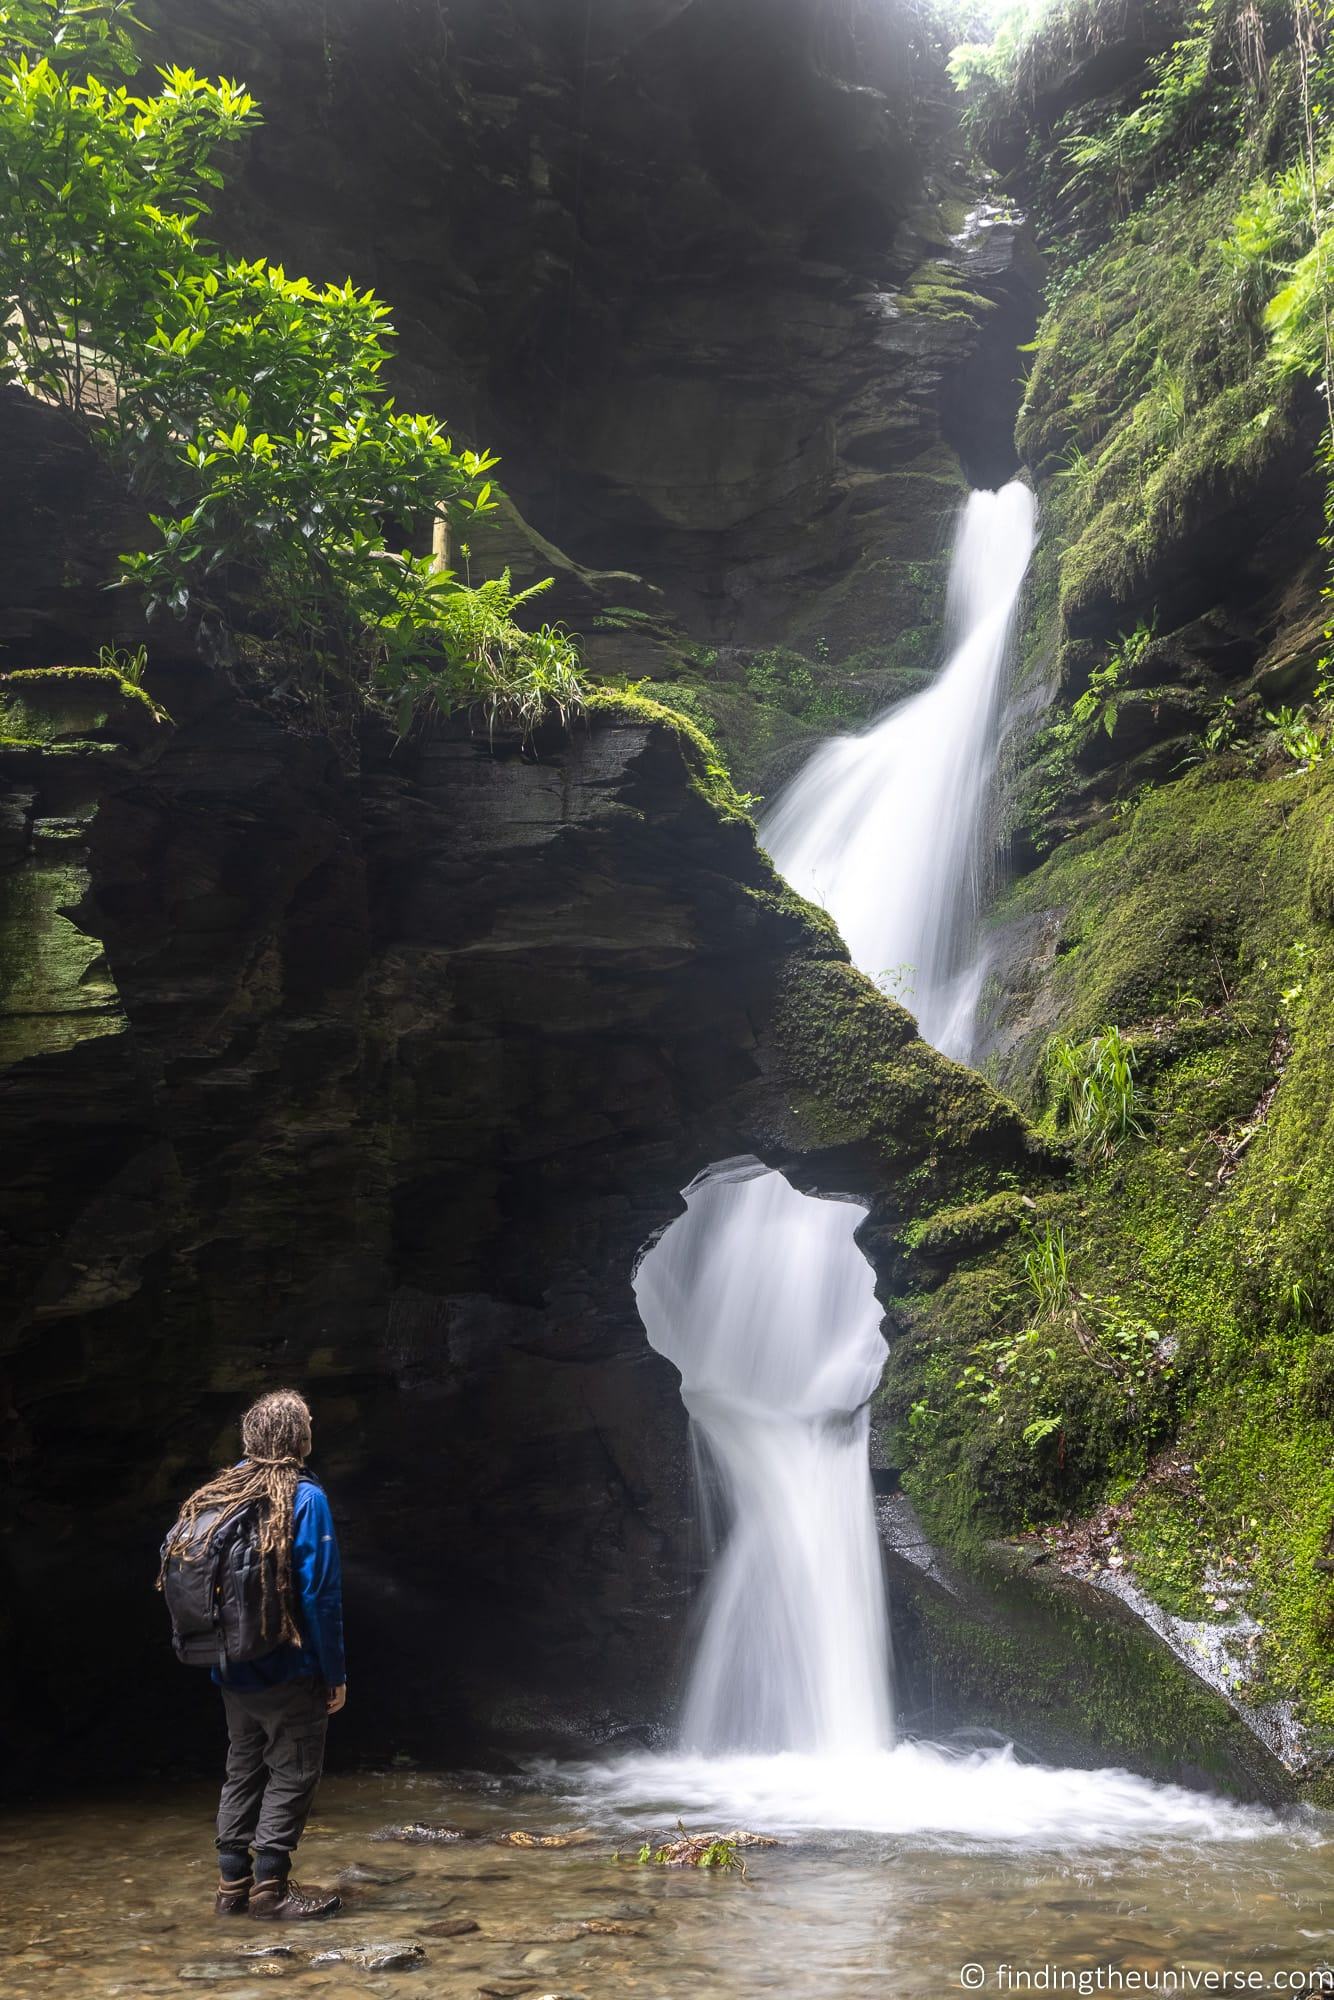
[{"x": 761, "y": 1298}]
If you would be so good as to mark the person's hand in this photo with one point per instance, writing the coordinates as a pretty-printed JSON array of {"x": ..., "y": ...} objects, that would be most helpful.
[{"x": 335, "y": 1697}]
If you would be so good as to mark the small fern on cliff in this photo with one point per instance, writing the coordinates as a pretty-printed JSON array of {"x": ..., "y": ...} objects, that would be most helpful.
[{"x": 518, "y": 676}]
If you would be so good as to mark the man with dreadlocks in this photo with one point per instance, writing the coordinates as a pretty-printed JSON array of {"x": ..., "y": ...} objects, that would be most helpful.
[{"x": 278, "y": 1705}]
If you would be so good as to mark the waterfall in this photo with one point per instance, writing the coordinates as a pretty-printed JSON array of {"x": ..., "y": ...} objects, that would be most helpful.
[
  {"x": 889, "y": 830},
  {"x": 763, "y": 1301},
  {"x": 759, "y": 1294}
]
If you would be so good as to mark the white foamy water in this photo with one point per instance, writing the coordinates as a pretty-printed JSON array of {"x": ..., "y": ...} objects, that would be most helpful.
[
  {"x": 926, "y": 1791},
  {"x": 889, "y": 830},
  {"x": 761, "y": 1298}
]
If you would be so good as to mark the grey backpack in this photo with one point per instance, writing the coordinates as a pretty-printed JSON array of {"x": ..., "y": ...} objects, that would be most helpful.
[{"x": 224, "y": 1608}]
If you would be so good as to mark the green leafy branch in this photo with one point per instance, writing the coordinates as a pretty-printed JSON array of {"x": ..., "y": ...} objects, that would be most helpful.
[{"x": 248, "y": 406}]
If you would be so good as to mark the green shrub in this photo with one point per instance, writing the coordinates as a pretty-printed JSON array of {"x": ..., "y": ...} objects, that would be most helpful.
[{"x": 249, "y": 406}]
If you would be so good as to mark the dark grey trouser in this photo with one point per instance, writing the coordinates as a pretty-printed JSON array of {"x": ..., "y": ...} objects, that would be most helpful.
[{"x": 275, "y": 1754}]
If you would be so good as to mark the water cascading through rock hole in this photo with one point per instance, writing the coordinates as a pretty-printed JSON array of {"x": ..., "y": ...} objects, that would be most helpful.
[{"x": 760, "y": 1297}]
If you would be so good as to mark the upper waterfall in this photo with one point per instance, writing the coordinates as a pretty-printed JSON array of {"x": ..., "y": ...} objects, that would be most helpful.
[{"x": 889, "y": 830}]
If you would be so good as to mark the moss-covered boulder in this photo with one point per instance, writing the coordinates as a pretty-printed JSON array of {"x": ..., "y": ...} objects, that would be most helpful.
[{"x": 63, "y": 706}]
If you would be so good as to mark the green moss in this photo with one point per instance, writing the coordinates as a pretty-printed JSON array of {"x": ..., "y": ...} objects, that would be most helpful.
[
  {"x": 1320, "y": 872},
  {"x": 815, "y": 928},
  {"x": 1171, "y": 1542},
  {"x": 935, "y": 291},
  {"x": 1160, "y": 912},
  {"x": 39, "y": 680},
  {"x": 53, "y": 704},
  {"x": 683, "y": 699},
  {"x": 981, "y": 1367},
  {"x": 709, "y": 776},
  {"x": 969, "y": 1226}
]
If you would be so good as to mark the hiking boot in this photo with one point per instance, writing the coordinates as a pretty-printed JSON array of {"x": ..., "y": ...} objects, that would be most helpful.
[
  {"x": 281, "y": 1902},
  {"x": 233, "y": 1898}
]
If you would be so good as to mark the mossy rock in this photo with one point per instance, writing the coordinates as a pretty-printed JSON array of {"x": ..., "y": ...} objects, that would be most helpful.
[
  {"x": 1320, "y": 874},
  {"x": 1072, "y": 1676},
  {"x": 63, "y": 705},
  {"x": 947, "y": 1231},
  {"x": 709, "y": 775},
  {"x": 936, "y": 291},
  {"x": 860, "y": 1058},
  {"x": 56, "y": 989}
]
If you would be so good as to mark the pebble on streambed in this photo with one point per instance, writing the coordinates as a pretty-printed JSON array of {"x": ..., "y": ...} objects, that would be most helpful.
[
  {"x": 429, "y": 1833},
  {"x": 277, "y": 1961},
  {"x": 398, "y": 1956},
  {"x": 227, "y": 1968}
]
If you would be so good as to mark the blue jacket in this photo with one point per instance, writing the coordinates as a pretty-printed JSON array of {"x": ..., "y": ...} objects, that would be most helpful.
[{"x": 317, "y": 1586}]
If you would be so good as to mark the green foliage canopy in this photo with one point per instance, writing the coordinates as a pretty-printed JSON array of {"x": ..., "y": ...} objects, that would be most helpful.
[{"x": 247, "y": 405}]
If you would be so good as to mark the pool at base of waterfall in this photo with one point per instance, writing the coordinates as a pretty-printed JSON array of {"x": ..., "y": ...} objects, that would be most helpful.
[{"x": 892, "y": 1874}]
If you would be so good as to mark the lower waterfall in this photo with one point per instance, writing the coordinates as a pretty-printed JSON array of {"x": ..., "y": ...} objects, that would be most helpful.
[{"x": 763, "y": 1301}]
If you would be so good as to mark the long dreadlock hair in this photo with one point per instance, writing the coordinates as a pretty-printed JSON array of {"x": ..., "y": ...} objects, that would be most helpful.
[{"x": 276, "y": 1439}]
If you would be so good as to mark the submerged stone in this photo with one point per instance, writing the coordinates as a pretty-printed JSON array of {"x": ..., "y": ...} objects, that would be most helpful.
[
  {"x": 397, "y": 1955},
  {"x": 538, "y": 1933},
  {"x": 581, "y": 1836},
  {"x": 425, "y": 1833},
  {"x": 213, "y": 1969}
]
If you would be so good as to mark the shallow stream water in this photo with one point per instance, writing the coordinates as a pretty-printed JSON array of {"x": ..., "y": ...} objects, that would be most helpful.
[{"x": 113, "y": 1897}]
